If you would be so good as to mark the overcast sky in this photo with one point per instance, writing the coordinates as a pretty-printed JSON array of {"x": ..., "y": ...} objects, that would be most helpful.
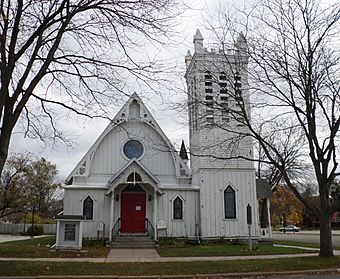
[{"x": 171, "y": 121}]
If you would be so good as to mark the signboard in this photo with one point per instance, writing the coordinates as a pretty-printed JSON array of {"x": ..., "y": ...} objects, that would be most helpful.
[
  {"x": 161, "y": 224},
  {"x": 70, "y": 232}
]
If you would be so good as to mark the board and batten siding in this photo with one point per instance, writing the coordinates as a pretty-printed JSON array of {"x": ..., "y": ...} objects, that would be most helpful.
[
  {"x": 213, "y": 184},
  {"x": 73, "y": 205},
  {"x": 179, "y": 228},
  {"x": 109, "y": 158}
]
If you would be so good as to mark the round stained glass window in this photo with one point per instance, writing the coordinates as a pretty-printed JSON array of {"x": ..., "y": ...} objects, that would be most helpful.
[{"x": 133, "y": 149}]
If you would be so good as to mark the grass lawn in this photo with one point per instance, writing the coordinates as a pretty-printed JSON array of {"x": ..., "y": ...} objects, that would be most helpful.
[
  {"x": 40, "y": 248},
  {"x": 303, "y": 244},
  {"x": 224, "y": 250},
  {"x": 168, "y": 268}
]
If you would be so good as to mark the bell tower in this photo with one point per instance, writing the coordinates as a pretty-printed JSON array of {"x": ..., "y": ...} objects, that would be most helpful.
[{"x": 218, "y": 91}]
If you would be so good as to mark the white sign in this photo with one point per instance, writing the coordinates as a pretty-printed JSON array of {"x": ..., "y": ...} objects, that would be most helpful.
[
  {"x": 138, "y": 208},
  {"x": 161, "y": 224}
]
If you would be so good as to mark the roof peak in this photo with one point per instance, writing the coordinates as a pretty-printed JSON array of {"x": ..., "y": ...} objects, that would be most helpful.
[
  {"x": 183, "y": 152},
  {"x": 198, "y": 35}
]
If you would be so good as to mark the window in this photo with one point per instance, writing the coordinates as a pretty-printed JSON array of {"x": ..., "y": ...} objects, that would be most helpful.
[
  {"x": 209, "y": 98},
  {"x": 208, "y": 83},
  {"x": 178, "y": 209},
  {"x": 238, "y": 84},
  {"x": 229, "y": 203},
  {"x": 133, "y": 149},
  {"x": 134, "y": 177},
  {"x": 88, "y": 208},
  {"x": 208, "y": 90},
  {"x": 223, "y": 76}
]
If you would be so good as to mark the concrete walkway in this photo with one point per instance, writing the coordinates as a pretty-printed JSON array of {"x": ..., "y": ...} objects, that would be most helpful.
[{"x": 150, "y": 255}]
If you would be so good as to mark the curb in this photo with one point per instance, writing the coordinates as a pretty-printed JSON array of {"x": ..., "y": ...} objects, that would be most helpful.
[{"x": 193, "y": 276}]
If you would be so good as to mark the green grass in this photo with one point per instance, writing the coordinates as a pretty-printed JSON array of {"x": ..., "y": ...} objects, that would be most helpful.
[
  {"x": 224, "y": 250},
  {"x": 167, "y": 268},
  {"x": 303, "y": 244},
  {"x": 40, "y": 248}
]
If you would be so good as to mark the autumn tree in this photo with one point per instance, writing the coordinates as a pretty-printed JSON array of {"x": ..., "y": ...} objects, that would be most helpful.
[
  {"x": 73, "y": 55},
  {"x": 27, "y": 182},
  {"x": 14, "y": 185},
  {"x": 287, "y": 97},
  {"x": 285, "y": 206},
  {"x": 43, "y": 183}
]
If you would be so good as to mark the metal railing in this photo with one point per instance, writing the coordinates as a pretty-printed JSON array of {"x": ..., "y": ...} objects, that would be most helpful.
[
  {"x": 116, "y": 229},
  {"x": 149, "y": 229}
]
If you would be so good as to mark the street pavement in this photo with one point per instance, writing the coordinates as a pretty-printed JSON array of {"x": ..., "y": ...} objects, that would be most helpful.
[{"x": 306, "y": 236}]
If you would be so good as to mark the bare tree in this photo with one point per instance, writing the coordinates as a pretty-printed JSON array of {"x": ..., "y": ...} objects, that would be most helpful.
[
  {"x": 286, "y": 73},
  {"x": 76, "y": 55}
]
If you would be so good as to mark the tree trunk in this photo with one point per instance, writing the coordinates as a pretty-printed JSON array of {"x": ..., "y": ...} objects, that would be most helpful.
[{"x": 326, "y": 249}]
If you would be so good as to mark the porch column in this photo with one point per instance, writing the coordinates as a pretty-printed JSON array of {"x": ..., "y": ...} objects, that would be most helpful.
[
  {"x": 269, "y": 221},
  {"x": 111, "y": 214},
  {"x": 155, "y": 213}
]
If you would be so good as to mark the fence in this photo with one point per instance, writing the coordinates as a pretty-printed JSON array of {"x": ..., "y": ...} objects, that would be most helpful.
[{"x": 19, "y": 228}]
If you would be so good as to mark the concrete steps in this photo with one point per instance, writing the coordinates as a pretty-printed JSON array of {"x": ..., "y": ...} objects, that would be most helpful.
[{"x": 132, "y": 241}]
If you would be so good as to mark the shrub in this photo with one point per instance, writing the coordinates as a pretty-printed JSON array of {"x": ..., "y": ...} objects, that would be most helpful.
[{"x": 37, "y": 230}]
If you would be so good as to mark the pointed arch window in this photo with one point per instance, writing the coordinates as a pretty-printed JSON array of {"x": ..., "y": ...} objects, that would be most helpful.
[
  {"x": 178, "y": 208},
  {"x": 229, "y": 203},
  {"x": 88, "y": 208}
]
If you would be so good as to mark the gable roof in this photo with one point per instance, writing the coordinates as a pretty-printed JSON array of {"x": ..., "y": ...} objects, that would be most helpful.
[
  {"x": 83, "y": 167},
  {"x": 132, "y": 166}
]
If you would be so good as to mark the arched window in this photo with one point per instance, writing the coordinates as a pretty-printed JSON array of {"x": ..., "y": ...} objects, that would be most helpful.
[
  {"x": 229, "y": 203},
  {"x": 178, "y": 209},
  {"x": 88, "y": 208},
  {"x": 134, "y": 177}
]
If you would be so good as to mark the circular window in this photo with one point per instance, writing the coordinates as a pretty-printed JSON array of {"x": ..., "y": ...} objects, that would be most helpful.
[{"x": 133, "y": 149}]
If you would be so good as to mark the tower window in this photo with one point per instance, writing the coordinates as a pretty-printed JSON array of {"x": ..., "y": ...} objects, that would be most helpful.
[
  {"x": 229, "y": 203},
  {"x": 207, "y": 76},
  {"x": 223, "y": 76},
  {"x": 208, "y": 83},
  {"x": 88, "y": 208},
  {"x": 210, "y": 119},
  {"x": 178, "y": 209},
  {"x": 208, "y": 98},
  {"x": 208, "y": 90}
]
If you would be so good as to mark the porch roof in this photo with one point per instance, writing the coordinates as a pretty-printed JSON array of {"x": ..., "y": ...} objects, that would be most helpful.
[{"x": 133, "y": 166}]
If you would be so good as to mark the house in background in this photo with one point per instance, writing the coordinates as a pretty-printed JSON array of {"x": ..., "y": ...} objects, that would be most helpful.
[{"x": 132, "y": 179}]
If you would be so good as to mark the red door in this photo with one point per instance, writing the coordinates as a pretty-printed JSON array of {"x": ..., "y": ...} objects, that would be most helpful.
[{"x": 133, "y": 212}]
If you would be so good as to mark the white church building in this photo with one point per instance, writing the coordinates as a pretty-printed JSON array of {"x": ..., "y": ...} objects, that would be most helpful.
[{"x": 133, "y": 180}]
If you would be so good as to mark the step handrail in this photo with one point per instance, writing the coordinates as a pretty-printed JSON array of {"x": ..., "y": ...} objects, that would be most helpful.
[
  {"x": 150, "y": 230},
  {"x": 115, "y": 229}
]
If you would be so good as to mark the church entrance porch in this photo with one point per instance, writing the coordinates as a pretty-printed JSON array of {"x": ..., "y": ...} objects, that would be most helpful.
[{"x": 133, "y": 212}]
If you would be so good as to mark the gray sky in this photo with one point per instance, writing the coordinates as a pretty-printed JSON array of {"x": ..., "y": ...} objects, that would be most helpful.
[{"x": 171, "y": 121}]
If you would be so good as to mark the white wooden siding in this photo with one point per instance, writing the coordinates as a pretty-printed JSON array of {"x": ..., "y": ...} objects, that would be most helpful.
[
  {"x": 108, "y": 158},
  {"x": 213, "y": 183},
  {"x": 179, "y": 228}
]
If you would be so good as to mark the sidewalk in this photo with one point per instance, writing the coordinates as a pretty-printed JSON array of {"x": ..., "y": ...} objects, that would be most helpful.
[{"x": 150, "y": 255}]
